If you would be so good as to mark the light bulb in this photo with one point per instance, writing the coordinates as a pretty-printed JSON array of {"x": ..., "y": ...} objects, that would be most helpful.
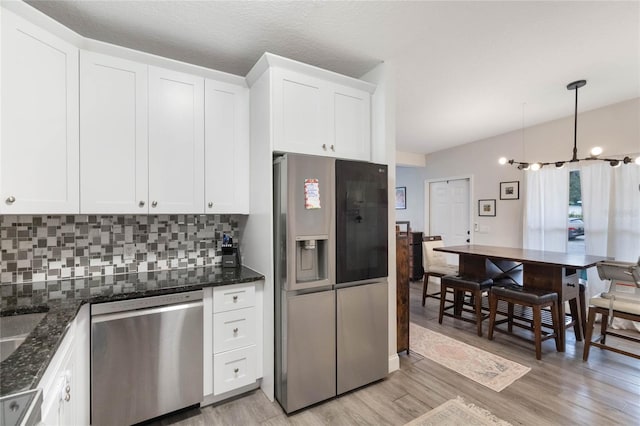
[
  {"x": 502, "y": 161},
  {"x": 637, "y": 161},
  {"x": 595, "y": 151},
  {"x": 536, "y": 166}
]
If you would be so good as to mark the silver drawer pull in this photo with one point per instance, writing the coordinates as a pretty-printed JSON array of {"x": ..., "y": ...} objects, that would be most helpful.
[
  {"x": 324, "y": 146},
  {"x": 67, "y": 397},
  {"x": 210, "y": 204},
  {"x": 154, "y": 204},
  {"x": 235, "y": 370},
  {"x": 235, "y": 299},
  {"x": 141, "y": 204},
  {"x": 332, "y": 148},
  {"x": 11, "y": 199},
  {"x": 235, "y": 330}
]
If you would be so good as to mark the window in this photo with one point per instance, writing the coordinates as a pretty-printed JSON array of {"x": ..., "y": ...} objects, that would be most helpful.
[{"x": 575, "y": 224}]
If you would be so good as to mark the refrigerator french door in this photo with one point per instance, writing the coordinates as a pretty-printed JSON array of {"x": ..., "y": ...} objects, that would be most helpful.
[{"x": 361, "y": 221}]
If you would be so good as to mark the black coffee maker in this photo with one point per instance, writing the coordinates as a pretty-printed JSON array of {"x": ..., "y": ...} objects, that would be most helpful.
[{"x": 230, "y": 255}]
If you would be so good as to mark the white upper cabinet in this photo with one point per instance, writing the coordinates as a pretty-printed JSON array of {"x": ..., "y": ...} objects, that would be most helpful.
[
  {"x": 350, "y": 121},
  {"x": 39, "y": 138},
  {"x": 176, "y": 142},
  {"x": 226, "y": 149},
  {"x": 113, "y": 135},
  {"x": 300, "y": 114},
  {"x": 314, "y": 111}
]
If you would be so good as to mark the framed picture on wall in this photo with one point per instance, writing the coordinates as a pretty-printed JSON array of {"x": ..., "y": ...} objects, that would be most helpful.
[
  {"x": 486, "y": 207},
  {"x": 510, "y": 190},
  {"x": 401, "y": 198}
]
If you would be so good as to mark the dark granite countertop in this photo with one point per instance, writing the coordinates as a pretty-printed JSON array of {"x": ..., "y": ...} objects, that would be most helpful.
[{"x": 61, "y": 299}]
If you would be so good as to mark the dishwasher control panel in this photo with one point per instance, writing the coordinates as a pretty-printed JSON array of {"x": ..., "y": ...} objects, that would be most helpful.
[{"x": 145, "y": 302}]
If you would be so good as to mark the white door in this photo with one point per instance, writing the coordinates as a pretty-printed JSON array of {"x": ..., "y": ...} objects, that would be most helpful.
[
  {"x": 449, "y": 211},
  {"x": 350, "y": 125},
  {"x": 39, "y": 139},
  {"x": 113, "y": 135},
  {"x": 226, "y": 149},
  {"x": 300, "y": 114},
  {"x": 176, "y": 142}
]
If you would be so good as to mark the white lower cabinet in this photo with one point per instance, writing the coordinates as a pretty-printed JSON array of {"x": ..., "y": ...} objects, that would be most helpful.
[
  {"x": 231, "y": 343},
  {"x": 65, "y": 383},
  {"x": 234, "y": 369}
]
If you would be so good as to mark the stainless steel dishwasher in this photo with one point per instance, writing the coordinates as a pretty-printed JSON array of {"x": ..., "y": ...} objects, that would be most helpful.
[{"x": 146, "y": 357}]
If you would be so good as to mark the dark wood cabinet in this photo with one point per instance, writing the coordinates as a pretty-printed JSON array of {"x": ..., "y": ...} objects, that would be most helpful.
[
  {"x": 415, "y": 256},
  {"x": 402, "y": 291}
]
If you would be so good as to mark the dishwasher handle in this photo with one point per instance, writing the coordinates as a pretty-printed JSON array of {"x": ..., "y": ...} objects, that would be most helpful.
[{"x": 149, "y": 311}]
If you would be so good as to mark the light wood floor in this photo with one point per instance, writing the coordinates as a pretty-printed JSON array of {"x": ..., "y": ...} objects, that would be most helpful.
[{"x": 559, "y": 390}]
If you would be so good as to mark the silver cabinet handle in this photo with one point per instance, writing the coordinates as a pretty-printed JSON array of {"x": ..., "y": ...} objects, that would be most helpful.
[
  {"x": 235, "y": 370},
  {"x": 235, "y": 330},
  {"x": 141, "y": 204},
  {"x": 67, "y": 389},
  {"x": 235, "y": 299},
  {"x": 67, "y": 397},
  {"x": 154, "y": 204},
  {"x": 332, "y": 148},
  {"x": 324, "y": 146},
  {"x": 210, "y": 204},
  {"x": 11, "y": 199}
]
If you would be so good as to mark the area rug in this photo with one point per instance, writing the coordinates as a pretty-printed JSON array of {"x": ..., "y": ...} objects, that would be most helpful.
[
  {"x": 456, "y": 412},
  {"x": 482, "y": 367}
]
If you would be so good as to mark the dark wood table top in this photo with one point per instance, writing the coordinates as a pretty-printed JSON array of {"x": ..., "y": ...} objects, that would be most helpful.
[{"x": 567, "y": 260}]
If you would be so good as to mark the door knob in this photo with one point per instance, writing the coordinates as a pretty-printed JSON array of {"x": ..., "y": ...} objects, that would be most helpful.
[
  {"x": 154, "y": 204},
  {"x": 11, "y": 199},
  {"x": 235, "y": 299},
  {"x": 141, "y": 204},
  {"x": 235, "y": 370},
  {"x": 332, "y": 148},
  {"x": 235, "y": 330},
  {"x": 468, "y": 240},
  {"x": 210, "y": 204},
  {"x": 324, "y": 146}
]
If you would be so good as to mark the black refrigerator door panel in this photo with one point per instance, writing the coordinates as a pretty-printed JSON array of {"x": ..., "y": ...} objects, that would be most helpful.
[{"x": 361, "y": 221}]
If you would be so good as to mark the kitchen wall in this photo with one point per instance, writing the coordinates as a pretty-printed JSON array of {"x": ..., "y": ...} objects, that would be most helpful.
[
  {"x": 37, "y": 248},
  {"x": 615, "y": 128}
]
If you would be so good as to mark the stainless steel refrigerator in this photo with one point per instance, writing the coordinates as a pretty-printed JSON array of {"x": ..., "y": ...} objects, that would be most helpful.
[{"x": 330, "y": 277}]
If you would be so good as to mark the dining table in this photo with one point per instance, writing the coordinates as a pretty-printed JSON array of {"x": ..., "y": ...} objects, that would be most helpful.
[{"x": 533, "y": 269}]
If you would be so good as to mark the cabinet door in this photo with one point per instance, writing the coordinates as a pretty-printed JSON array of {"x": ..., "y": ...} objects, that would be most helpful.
[
  {"x": 300, "y": 114},
  {"x": 350, "y": 124},
  {"x": 176, "y": 142},
  {"x": 226, "y": 108},
  {"x": 39, "y": 144},
  {"x": 113, "y": 135}
]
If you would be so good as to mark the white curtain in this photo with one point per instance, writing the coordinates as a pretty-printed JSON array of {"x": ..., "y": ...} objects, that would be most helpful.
[
  {"x": 546, "y": 209},
  {"x": 611, "y": 214}
]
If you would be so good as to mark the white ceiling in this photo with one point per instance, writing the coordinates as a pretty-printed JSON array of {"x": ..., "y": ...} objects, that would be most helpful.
[{"x": 464, "y": 69}]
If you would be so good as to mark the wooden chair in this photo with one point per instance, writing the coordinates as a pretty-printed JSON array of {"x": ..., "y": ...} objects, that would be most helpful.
[
  {"x": 629, "y": 310},
  {"x": 434, "y": 264}
]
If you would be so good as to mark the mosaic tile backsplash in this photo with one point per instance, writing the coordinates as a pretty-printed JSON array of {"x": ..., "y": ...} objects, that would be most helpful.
[{"x": 38, "y": 248}]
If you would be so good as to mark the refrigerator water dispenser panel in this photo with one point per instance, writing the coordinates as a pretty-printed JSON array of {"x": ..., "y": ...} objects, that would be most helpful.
[{"x": 311, "y": 260}]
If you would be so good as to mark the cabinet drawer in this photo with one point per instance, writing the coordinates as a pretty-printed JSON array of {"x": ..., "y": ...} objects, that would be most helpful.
[
  {"x": 234, "y": 329},
  {"x": 231, "y": 297},
  {"x": 234, "y": 369}
]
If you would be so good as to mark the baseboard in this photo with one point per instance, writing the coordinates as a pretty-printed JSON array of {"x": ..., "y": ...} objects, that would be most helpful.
[
  {"x": 214, "y": 399},
  {"x": 394, "y": 363}
]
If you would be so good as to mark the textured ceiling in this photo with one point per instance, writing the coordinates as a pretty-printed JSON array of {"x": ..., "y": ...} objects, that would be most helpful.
[{"x": 464, "y": 69}]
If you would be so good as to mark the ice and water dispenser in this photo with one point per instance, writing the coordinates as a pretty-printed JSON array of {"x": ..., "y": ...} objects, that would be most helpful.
[{"x": 311, "y": 258}]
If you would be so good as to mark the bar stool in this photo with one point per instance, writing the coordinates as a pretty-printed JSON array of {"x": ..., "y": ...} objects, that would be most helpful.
[
  {"x": 625, "y": 309},
  {"x": 536, "y": 300},
  {"x": 460, "y": 286}
]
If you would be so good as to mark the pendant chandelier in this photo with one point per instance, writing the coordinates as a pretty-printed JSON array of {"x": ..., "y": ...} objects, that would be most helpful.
[{"x": 595, "y": 152}]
